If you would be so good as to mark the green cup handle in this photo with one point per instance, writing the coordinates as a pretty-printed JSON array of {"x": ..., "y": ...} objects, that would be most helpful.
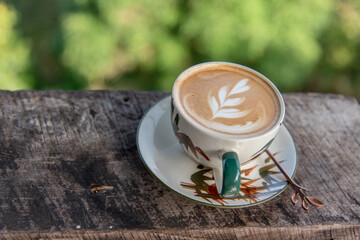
[{"x": 231, "y": 175}]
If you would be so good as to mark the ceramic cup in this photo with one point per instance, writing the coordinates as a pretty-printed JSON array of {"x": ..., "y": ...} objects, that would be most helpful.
[{"x": 224, "y": 153}]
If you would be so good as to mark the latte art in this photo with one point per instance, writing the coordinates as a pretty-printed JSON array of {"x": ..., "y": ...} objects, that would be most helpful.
[
  {"x": 219, "y": 108},
  {"x": 229, "y": 100}
]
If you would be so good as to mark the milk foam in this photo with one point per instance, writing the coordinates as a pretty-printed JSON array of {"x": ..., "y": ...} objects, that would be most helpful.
[{"x": 229, "y": 101}]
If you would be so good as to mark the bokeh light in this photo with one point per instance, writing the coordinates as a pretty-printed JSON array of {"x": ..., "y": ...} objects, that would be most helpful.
[{"x": 302, "y": 45}]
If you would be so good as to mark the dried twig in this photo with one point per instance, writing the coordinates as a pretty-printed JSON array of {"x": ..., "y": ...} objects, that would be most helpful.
[
  {"x": 97, "y": 188},
  {"x": 300, "y": 192}
]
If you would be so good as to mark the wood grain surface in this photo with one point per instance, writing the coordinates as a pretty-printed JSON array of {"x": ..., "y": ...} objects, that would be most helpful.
[{"x": 55, "y": 144}]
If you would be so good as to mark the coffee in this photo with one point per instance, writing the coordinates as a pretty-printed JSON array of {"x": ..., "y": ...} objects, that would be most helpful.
[{"x": 228, "y": 99}]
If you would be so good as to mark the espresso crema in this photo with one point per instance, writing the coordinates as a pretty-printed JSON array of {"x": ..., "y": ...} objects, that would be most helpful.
[{"x": 228, "y": 99}]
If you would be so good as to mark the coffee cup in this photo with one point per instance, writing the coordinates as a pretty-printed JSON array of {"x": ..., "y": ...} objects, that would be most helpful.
[{"x": 225, "y": 114}]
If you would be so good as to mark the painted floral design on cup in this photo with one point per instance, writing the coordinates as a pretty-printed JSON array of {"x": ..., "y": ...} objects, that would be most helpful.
[
  {"x": 185, "y": 139},
  {"x": 261, "y": 183}
]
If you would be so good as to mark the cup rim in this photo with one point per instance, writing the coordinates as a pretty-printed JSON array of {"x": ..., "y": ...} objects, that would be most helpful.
[{"x": 217, "y": 134}]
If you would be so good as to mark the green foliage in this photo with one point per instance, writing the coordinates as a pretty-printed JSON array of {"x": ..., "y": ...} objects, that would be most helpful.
[
  {"x": 339, "y": 68},
  {"x": 307, "y": 45},
  {"x": 14, "y": 53},
  {"x": 90, "y": 46},
  {"x": 276, "y": 37}
]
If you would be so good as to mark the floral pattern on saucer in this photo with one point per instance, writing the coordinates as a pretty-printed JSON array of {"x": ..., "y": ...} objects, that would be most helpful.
[{"x": 257, "y": 181}]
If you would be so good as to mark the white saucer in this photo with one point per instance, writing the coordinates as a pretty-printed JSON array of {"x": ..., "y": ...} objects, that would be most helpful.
[{"x": 260, "y": 179}]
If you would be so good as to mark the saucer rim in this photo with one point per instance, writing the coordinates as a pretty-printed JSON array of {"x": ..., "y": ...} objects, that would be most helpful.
[{"x": 196, "y": 201}]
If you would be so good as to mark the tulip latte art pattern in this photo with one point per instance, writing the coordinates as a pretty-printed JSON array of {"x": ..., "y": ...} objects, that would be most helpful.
[{"x": 229, "y": 101}]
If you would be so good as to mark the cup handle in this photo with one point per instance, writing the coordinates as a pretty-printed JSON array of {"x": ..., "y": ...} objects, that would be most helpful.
[{"x": 231, "y": 175}]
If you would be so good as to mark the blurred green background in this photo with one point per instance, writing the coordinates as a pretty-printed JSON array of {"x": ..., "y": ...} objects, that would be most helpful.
[{"x": 301, "y": 45}]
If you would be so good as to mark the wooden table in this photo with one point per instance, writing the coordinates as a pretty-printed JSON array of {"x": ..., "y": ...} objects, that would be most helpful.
[{"x": 55, "y": 144}]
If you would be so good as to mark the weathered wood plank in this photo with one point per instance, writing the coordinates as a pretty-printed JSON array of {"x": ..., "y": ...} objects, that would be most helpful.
[
  {"x": 251, "y": 233},
  {"x": 55, "y": 144}
]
